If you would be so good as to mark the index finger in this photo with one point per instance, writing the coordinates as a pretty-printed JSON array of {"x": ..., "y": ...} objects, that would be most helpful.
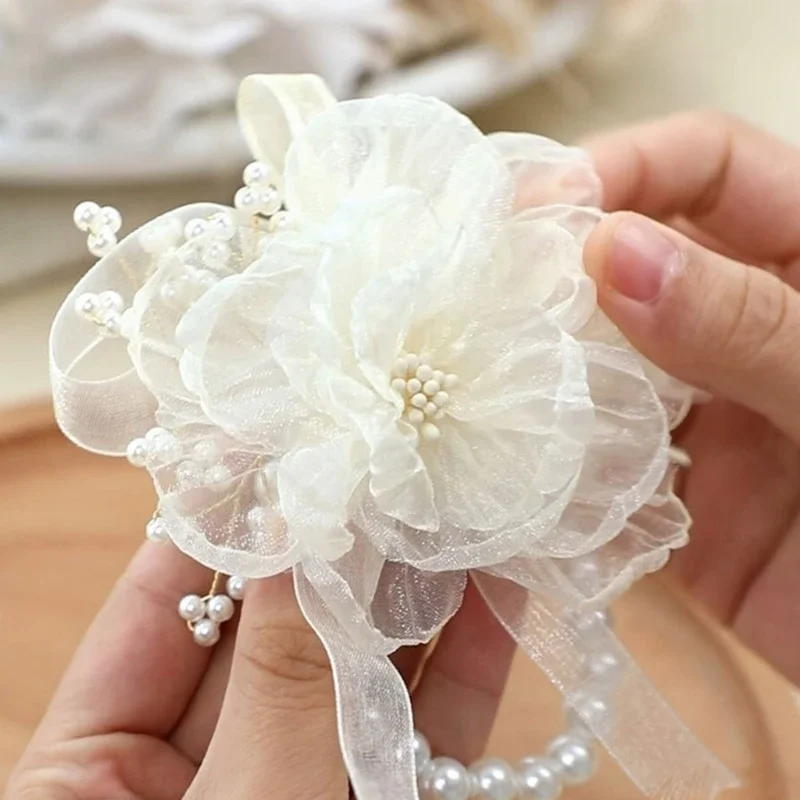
[{"x": 735, "y": 182}]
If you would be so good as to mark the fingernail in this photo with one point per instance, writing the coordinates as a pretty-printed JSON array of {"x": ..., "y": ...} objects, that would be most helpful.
[{"x": 640, "y": 260}]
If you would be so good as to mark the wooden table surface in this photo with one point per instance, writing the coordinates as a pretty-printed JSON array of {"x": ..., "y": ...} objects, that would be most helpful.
[{"x": 70, "y": 521}]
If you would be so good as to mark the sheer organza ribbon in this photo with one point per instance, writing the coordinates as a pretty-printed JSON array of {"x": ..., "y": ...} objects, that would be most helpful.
[{"x": 102, "y": 403}]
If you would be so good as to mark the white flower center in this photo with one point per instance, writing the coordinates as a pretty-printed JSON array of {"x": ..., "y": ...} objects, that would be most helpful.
[{"x": 424, "y": 390}]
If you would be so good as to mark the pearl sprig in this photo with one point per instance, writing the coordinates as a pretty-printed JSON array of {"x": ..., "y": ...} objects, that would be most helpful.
[
  {"x": 261, "y": 197},
  {"x": 157, "y": 446},
  {"x": 570, "y": 759},
  {"x": 204, "y": 615},
  {"x": 105, "y": 310},
  {"x": 101, "y": 224},
  {"x": 425, "y": 392}
]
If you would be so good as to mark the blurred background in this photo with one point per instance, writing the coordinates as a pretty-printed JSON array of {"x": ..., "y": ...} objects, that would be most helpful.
[{"x": 130, "y": 103}]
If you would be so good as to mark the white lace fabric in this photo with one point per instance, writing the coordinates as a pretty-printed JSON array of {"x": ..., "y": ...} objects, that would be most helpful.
[{"x": 547, "y": 476}]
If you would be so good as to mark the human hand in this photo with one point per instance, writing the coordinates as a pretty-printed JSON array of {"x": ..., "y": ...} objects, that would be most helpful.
[
  {"x": 728, "y": 196},
  {"x": 145, "y": 713}
]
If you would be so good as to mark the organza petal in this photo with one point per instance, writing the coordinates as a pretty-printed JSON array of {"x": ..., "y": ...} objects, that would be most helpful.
[
  {"x": 361, "y": 147},
  {"x": 315, "y": 484},
  {"x": 176, "y": 279},
  {"x": 625, "y": 460},
  {"x": 546, "y": 172},
  {"x": 220, "y": 504},
  {"x": 599, "y": 577},
  {"x": 227, "y": 360}
]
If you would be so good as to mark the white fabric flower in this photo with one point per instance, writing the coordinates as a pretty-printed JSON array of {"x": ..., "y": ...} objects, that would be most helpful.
[{"x": 406, "y": 380}]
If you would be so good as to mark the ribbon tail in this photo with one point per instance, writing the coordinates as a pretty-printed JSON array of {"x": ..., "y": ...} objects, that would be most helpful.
[
  {"x": 373, "y": 708},
  {"x": 642, "y": 733}
]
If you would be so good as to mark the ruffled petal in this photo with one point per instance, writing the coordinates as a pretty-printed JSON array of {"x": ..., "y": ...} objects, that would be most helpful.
[
  {"x": 314, "y": 486},
  {"x": 177, "y": 277},
  {"x": 226, "y": 357},
  {"x": 546, "y": 172},
  {"x": 220, "y": 503},
  {"x": 625, "y": 460},
  {"x": 360, "y": 148}
]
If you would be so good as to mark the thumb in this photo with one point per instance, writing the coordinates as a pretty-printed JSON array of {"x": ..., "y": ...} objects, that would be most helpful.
[{"x": 719, "y": 325}]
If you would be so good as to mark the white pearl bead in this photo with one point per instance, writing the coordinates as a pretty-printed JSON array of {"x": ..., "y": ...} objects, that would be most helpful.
[
  {"x": 157, "y": 531},
  {"x": 422, "y": 752},
  {"x": 446, "y": 779},
  {"x": 195, "y": 228},
  {"x": 575, "y": 757},
  {"x": 220, "y": 608},
  {"x": 110, "y": 301},
  {"x": 188, "y": 474},
  {"x": 280, "y": 221},
  {"x": 218, "y": 475},
  {"x": 85, "y": 215},
  {"x": 416, "y": 416},
  {"x": 412, "y": 361},
  {"x": 431, "y": 387},
  {"x": 206, "y": 633},
  {"x": 246, "y": 199},
  {"x": 493, "y": 779},
  {"x": 110, "y": 218},
  {"x": 430, "y": 432},
  {"x": 101, "y": 243},
  {"x": 424, "y": 373},
  {"x": 137, "y": 452},
  {"x": 269, "y": 200},
  {"x": 216, "y": 254},
  {"x": 588, "y": 712},
  {"x": 605, "y": 667},
  {"x": 414, "y": 386},
  {"x": 257, "y": 173},
  {"x": 450, "y": 381},
  {"x": 110, "y": 325},
  {"x": 441, "y": 399},
  {"x": 87, "y": 305},
  {"x": 439, "y": 376},
  {"x": 399, "y": 385},
  {"x": 538, "y": 780},
  {"x": 235, "y": 587},
  {"x": 430, "y": 409},
  {"x": 419, "y": 400},
  {"x": 222, "y": 226},
  {"x": 205, "y": 452},
  {"x": 257, "y": 519},
  {"x": 192, "y": 608}
]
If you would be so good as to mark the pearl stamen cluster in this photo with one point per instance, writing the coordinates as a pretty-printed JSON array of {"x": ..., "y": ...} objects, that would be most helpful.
[
  {"x": 101, "y": 224},
  {"x": 105, "y": 310},
  {"x": 261, "y": 197},
  {"x": 425, "y": 391},
  {"x": 570, "y": 759},
  {"x": 204, "y": 615}
]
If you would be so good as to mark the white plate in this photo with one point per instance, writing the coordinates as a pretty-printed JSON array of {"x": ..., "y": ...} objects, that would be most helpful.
[{"x": 211, "y": 146}]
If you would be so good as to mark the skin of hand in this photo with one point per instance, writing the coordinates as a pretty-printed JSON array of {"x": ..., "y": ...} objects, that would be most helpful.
[
  {"x": 143, "y": 713},
  {"x": 710, "y": 294}
]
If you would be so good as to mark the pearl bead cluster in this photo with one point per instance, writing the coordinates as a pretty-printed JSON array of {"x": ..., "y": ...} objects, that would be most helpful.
[
  {"x": 261, "y": 197},
  {"x": 570, "y": 759},
  {"x": 106, "y": 310},
  {"x": 424, "y": 390},
  {"x": 203, "y": 264},
  {"x": 204, "y": 615},
  {"x": 101, "y": 224},
  {"x": 158, "y": 446}
]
